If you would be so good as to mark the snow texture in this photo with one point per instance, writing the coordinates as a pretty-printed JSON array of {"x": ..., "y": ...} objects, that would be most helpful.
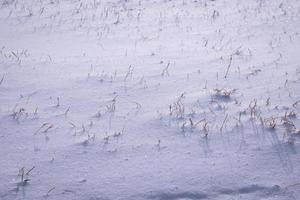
[{"x": 149, "y": 100}]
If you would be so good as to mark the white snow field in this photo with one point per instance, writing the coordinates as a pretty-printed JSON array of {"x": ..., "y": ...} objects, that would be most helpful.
[{"x": 150, "y": 100}]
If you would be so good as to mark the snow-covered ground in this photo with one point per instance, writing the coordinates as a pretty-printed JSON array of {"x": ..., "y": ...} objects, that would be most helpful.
[{"x": 150, "y": 100}]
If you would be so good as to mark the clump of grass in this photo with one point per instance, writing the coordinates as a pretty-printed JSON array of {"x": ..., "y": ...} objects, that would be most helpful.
[
  {"x": 239, "y": 122},
  {"x": 119, "y": 133},
  {"x": 129, "y": 73},
  {"x": 253, "y": 108},
  {"x": 177, "y": 109},
  {"x": 90, "y": 138},
  {"x": 165, "y": 71},
  {"x": 183, "y": 125},
  {"x": 205, "y": 128},
  {"x": 49, "y": 191},
  {"x": 44, "y": 128},
  {"x": 253, "y": 73},
  {"x": 24, "y": 176},
  {"x": 270, "y": 123},
  {"x": 17, "y": 114},
  {"x": 202, "y": 126},
  {"x": 111, "y": 108},
  {"x": 223, "y": 93},
  {"x": 288, "y": 124},
  {"x": 296, "y": 103},
  {"x": 290, "y": 114}
]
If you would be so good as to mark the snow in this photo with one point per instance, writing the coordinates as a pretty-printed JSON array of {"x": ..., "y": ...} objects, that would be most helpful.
[{"x": 157, "y": 99}]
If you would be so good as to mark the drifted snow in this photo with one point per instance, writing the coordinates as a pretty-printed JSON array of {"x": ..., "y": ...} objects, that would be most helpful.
[{"x": 157, "y": 99}]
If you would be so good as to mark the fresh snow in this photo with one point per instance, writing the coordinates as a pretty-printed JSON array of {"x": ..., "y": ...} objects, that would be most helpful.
[{"x": 149, "y": 100}]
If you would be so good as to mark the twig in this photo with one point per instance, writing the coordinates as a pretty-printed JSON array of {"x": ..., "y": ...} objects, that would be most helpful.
[
  {"x": 228, "y": 67},
  {"x": 224, "y": 122}
]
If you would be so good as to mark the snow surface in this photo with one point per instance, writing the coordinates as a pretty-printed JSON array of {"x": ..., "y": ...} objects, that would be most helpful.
[{"x": 156, "y": 99}]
